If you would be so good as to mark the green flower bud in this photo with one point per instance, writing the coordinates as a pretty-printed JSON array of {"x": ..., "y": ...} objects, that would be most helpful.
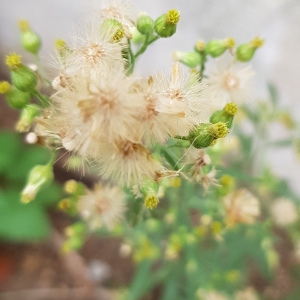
[
  {"x": 225, "y": 115},
  {"x": 216, "y": 48},
  {"x": 29, "y": 39},
  {"x": 22, "y": 77},
  {"x": 39, "y": 176},
  {"x": 145, "y": 24},
  {"x": 165, "y": 25},
  {"x": 246, "y": 51},
  {"x": 205, "y": 134},
  {"x": 137, "y": 37},
  {"x": 15, "y": 98},
  {"x": 27, "y": 117},
  {"x": 190, "y": 59}
]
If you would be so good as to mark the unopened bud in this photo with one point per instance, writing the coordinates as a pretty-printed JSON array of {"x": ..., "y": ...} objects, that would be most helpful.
[
  {"x": 15, "y": 98},
  {"x": 145, "y": 24},
  {"x": 204, "y": 134},
  {"x": 246, "y": 51},
  {"x": 215, "y": 48},
  {"x": 190, "y": 59},
  {"x": 29, "y": 39},
  {"x": 27, "y": 117},
  {"x": 137, "y": 37},
  {"x": 225, "y": 115},
  {"x": 165, "y": 25},
  {"x": 22, "y": 77},
  {"x": 39, "y": 176}
]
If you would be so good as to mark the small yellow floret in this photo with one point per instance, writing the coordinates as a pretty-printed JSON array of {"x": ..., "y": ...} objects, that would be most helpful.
[
  {"x": 230, "y": 43},
  {"x": 64, "y": 204},
  {"x": 175, "y": 182},
  {"x": 257, "y": 42},
  {"x": 118, "y": 36},
  {"x": 173, "y": 16},
  {"x": 13, "y": 60},
  {"x": 231, "y": 108},
  {"x": 4, "y": 87},
  {"x": 71, "y": 186},
  {"x": 216, "y": 227},
  {"x": 151, "y": 201},
  {"x": 26, "y": 198},
  {"x": 200, "y": 45},
  {"x": 218, "y": 130},
  {"x": 60, "y": 44},
  {"x": 227, "y": 180},
  {"x": 24, "y": 25}
]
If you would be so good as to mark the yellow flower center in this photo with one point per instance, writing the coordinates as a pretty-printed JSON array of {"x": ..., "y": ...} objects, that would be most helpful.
[
  {"x": 4, "y": 87},
  {"x": 173, "y": 16},
  {"x": 151, "y": 201},
  {"x": 13, "y": 60},
  {"x": 231, "y": 108}
]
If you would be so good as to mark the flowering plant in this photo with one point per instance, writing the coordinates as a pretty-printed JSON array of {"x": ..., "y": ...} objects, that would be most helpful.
[{"x": 150, "y": 145}]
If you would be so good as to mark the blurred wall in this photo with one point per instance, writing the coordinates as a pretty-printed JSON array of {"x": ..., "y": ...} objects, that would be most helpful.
[{"x": 275, "y": 20}]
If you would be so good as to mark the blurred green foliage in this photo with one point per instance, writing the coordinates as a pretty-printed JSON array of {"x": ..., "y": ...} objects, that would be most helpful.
[{"x": 18, "y": 221}]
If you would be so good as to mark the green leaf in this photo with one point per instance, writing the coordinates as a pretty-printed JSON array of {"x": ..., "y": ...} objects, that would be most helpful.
[{"x": 21, "y": 222}]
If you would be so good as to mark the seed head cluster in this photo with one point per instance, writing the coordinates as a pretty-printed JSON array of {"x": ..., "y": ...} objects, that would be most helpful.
[{"x": 114, "y": 119}]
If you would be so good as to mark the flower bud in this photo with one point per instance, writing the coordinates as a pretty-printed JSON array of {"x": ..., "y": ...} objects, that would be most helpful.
[
  {"x": 39, "y": 176},
  {"x": 74, "y": 187},
  {"x": 225, "y": 115},
  {"x": 190, "y": 59},
  {"x": 145, "y": 24},
  {"x": 216, "y": 48},
  {"x": 29, "y": 39},
  {"x": 204, "y": 134},
  {"x": 137, "y": 37},
  {"x": 22, "y": 77},
  {"x": 27, "y": 117},
  {"x": 246, "y": 51},
  {"x": 15, "y": 98},
  {"x": 165, "y": 25}
]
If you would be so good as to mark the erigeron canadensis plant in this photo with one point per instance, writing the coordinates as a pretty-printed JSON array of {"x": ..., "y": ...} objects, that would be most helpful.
[{"x": 139, "y": 133}]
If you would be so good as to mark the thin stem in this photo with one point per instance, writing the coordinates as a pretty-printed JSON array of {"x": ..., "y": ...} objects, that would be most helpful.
[
  {"x": 43, "y": 99},
  {"x": 131, "y": 59},
  {"x": 41, "y": 70},
  {"x": 53, "y": 158}
]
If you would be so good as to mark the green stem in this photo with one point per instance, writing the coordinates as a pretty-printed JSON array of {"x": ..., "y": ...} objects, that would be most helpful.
[
  {"x": 41, "y": 70},
  {"x": 202, "y": 66},
  {"x": 43, "y": 99},
  {"x": 146, "y": 44},
  {"x": 131, "y": 58},
  {"x": 53, "y": 158}
]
